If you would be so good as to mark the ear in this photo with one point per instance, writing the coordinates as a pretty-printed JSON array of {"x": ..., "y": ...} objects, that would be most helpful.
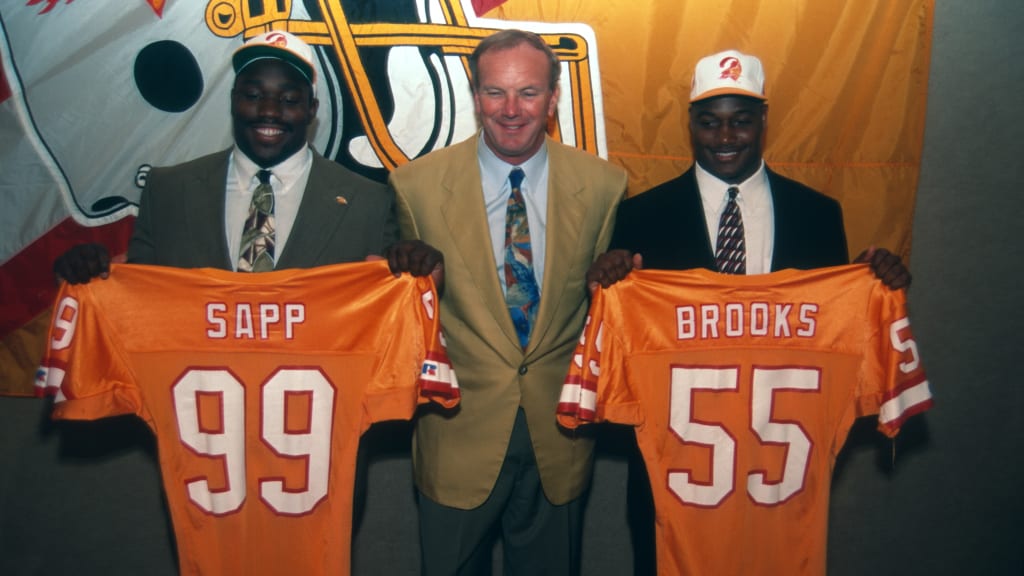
[{"x": 553, "y": 105}]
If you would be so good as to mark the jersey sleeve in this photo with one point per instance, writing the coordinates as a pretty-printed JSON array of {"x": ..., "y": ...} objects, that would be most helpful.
[
  {"x": 82, "y": 368},
  {"x": 596, "y": 387},
  {"x": 413, "y": 367},
  {"x": 437, "y": 381},
  {"x": 897, "y": 387}
]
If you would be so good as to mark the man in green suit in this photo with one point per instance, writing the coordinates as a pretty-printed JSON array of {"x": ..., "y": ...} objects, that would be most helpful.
[
  {"x": 502, "y": 459},
  {"x": 192, "y": 215}
]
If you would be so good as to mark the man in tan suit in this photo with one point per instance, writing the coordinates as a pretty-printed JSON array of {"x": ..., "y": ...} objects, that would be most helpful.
[{"x": 502, "y": 459}]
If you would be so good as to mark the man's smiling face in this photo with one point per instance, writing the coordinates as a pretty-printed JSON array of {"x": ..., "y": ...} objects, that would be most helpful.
[
  {"x": 272, "y": 106},
  {"x": 726, "y": 133}
]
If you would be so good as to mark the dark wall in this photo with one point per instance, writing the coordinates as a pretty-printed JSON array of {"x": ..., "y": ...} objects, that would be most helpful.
[
  {"x": 953, "y": 503},
  {"x": 945, "y": 498}
]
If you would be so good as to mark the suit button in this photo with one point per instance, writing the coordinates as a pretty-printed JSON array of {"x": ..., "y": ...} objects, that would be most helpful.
[{"x": 523, "y": 369}]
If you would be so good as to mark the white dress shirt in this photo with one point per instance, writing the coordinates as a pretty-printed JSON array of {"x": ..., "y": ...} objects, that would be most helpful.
[
  {"x": 755, "y": 202},
  {"x": 494, "y": 178},
  {"x": 288, "y": 178}
]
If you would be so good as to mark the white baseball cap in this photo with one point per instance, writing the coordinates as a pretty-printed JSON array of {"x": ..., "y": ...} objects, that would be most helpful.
[
  {"x": 279, "y": 45},
  {"x": 728, "y": 73}
]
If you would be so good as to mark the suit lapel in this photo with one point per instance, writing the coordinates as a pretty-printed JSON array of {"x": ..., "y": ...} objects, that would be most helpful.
[
  {"x": 318, "y": 216},
  {"x": 204, "y": 214},
  {"x": 462, "y": 207},
  {"x": 692, "y": 224},
  {"x": 566, "y": 211},
  {"x": 786, "y": 215}
]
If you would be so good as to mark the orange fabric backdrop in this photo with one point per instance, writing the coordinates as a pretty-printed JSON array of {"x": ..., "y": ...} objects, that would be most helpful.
[
  {"x": 846, "y": 82},
  {"x": 847, "y": 88}
]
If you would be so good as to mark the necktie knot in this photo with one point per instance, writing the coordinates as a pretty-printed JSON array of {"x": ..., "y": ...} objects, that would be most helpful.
[
  {"x": 515, "y": 178},
  {"x": 733, "y": 191},
  {"x": 263, "y": 176}
]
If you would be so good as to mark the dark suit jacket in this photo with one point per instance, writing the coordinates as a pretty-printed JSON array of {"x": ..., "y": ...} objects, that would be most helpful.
[
  {"x": 666, "y": 226},
  {"x": 181, "y": 217}
]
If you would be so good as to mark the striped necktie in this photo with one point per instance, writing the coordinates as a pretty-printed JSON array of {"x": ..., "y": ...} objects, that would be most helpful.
[
  {"x": 257, "y": 249},
  {"x": 521, "y": 294},
  {"x": 731, "y": 250}
]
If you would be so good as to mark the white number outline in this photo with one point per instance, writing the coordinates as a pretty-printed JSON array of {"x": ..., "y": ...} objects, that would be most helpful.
[
  {"x": 65, "y": 323},
  {"x": 228, "y": 443},
  {"x": 905, "y": 345},
  {"x": 685, "y": 381},
  {"x": 288, "y": 445}
]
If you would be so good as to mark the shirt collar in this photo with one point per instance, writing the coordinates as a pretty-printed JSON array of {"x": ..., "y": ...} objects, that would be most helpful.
[
  {"x": 284, "y": 173},
  {"x": 494, "y": 171},
  {"x": 713, "y": 189}
]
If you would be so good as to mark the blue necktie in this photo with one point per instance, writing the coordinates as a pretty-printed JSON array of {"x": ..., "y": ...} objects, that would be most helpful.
[{"x": 521, "y": 294}]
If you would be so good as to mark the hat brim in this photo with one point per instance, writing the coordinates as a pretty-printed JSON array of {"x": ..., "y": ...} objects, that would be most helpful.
[
  {"x": 727, "y": 92},
  {"x": 246, "y": 55}
]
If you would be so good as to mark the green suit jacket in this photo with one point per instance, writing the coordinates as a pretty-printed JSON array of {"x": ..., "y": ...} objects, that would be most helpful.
[
  {"x": 457, "y": 456},
  {"x": 181, "y": 217}
]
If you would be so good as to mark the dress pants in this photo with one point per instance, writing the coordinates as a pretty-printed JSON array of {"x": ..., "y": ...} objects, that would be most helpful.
[{"x": 538, "y": 538}]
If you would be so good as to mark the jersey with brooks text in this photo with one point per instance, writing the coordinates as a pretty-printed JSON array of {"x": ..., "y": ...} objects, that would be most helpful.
[
  {"x": 258, "y": 387},
  {"x": 742, "y": 390}
]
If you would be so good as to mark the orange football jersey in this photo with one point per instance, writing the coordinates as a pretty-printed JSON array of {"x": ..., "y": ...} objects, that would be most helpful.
[
  {"x": 257, "y": 387},
  {"x": 742, "y": 390}
]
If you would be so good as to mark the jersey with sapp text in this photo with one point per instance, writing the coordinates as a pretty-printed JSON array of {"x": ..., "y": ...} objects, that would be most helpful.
[
  {"x": 257, "y": 387},
  {"x": 742, "y": 390}
]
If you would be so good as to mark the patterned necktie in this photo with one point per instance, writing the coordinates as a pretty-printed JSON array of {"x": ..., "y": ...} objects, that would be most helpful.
[
  {"x": 522, "y": 294},
  {"x": 257, "y": 248},
  {"x": 731, "y": 250}
]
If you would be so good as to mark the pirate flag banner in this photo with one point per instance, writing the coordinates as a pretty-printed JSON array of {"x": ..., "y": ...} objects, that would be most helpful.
[{"x": 93, "y": 93}]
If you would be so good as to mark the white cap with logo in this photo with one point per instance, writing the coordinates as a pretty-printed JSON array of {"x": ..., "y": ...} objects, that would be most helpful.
[
  {"x": 279, "y": 45},
  {"x": 728, "y": 73}
]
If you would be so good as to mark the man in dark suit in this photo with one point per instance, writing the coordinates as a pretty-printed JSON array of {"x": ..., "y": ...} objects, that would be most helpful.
[
  {"x": 675, "y": 225},
  {"x": 193, "y": 214},
  {"x": 501, "y": 462}
]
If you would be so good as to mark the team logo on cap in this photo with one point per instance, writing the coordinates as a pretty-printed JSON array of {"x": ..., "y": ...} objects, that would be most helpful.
[
  {"x": 731, "y": 68},
  {"x": 277, "y": 40}
]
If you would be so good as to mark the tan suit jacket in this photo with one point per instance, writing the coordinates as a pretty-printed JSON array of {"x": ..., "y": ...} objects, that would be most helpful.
[{"x": 439, "y": 199}]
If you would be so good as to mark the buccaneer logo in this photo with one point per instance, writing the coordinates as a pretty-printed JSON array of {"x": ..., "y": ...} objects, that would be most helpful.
[
  {"x": 399, "y": 88},
  {"x": 731, "y": 68},
  {"x": 142, "y": 87}
]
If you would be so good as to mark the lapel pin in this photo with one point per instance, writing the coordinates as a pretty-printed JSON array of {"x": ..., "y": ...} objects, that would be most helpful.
[{"x": 341, "y": 200}]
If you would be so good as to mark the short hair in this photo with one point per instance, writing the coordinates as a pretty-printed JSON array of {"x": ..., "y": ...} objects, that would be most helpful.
[{"x": 505, "y": 39}]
